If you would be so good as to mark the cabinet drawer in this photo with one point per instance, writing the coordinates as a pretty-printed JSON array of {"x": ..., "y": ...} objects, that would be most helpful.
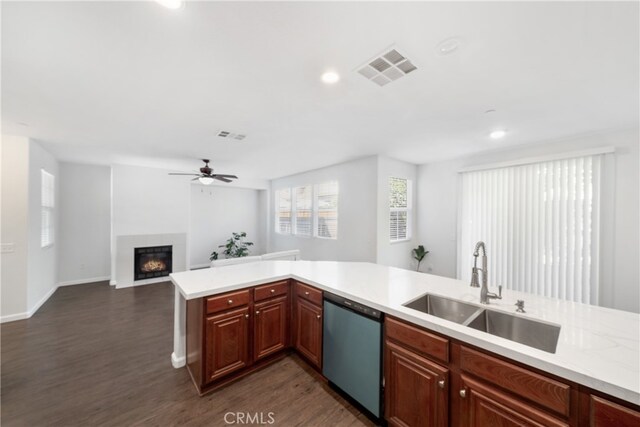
[
  {"x": 271, "y": 290},
  {"x": 549, "y": 393},
  {"x": 417, "y": 339},
  {"x": 232, "y": 299},
  {"x": 310, "y": 294},
  {"x": 604, "y": 413}
]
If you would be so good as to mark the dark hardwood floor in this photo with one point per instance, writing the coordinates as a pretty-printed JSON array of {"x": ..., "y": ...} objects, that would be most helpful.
[{"x": 93, "y": 355}]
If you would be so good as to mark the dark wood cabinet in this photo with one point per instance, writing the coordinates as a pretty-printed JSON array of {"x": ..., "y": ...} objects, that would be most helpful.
[
  {"x": 604, "y": 413},
  {"x": 270, "y": 327},
  {"x": 416, "y": 392},
  {"x": 227, "y": 343},
  {"x": 308, "y": 331},
  {"x": 484, "y": 405}
]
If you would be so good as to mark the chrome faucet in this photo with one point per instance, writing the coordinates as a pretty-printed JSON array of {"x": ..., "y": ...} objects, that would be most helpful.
[{"x": 485, "y": 295}]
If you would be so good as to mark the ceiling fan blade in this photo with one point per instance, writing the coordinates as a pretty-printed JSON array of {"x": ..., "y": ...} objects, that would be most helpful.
[
  {"x": 192, "y": 174},
  {"x": 219, "y": 178},
  {"x": 224, "y": 176}
]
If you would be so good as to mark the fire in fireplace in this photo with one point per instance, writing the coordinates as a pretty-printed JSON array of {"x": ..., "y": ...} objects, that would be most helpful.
[{"x": 152, "y": 262}]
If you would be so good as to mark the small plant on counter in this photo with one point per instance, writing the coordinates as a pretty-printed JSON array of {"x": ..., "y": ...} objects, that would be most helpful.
[
  {"x": 235, "y": 247},
  {"x": 418, "y": 254}
]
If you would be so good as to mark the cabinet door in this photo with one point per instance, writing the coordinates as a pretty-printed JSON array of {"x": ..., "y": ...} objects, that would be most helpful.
[
  {"x": 308, "y": 339},
  {"x": 608, "y": 414},
  {"x": 416, "y": 389},
  {"x": 270, "y": 327},
  {"x": 484, "y": 405},
  {"x": 227, "y": 343}
]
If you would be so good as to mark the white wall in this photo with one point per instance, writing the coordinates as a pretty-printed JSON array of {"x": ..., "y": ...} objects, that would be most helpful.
[
  {"x": 14, "y": 153},
  {"x": 42, "y": 262},
  {"x": 148, "y": 201},
  {"x": 357, "y": 208},
  {"x": 218, "y": 211},
  {"x": 85, "y": 223},
  {"x": 395, "y": 254},
  {"x": 437, "y": 207},
  {"x": 29, "y": 272}
]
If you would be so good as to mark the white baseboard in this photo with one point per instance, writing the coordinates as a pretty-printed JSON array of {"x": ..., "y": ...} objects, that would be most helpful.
[
  {"x": 28, "y": 314},
  {"x": 144, "y": 282},
  {"x": 178, "y": 362},
  {"x": 84, "y": 281},
  {"x": 199, "y": 266},
  {"x": 14, "y": 317},
  {"x": 112, "y": 282}
]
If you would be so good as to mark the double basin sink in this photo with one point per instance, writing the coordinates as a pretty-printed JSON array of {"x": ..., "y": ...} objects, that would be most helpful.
[{"x": 540, "y": 335}]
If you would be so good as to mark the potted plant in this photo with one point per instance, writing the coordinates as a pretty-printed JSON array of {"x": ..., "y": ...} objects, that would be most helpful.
[
  {"x": 418, "y": 254},
  {"x": 235, "y": 247}
]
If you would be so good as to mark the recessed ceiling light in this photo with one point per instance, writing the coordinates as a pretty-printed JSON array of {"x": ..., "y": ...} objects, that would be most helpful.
[
  {"x": 497, "y": 134},
  {"x": 171, "y": 4},
  {"x": 447, "y": 46},
  {"x": 330, "y": 77}
]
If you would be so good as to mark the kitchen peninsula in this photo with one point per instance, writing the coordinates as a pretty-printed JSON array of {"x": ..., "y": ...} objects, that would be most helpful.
[{"x": 597, "y": 354}]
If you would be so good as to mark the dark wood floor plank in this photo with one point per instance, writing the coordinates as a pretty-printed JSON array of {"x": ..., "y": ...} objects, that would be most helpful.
[{"x": 94, "y": 356}]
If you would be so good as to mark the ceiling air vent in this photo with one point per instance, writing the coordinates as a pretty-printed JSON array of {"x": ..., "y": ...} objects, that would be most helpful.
[
  {"x": 230, "y": 135},
  {"x": 387, "y": 67}
]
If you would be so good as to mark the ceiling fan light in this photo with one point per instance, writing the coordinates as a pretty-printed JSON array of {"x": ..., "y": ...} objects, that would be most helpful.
[{"x": 205, "y": 180}]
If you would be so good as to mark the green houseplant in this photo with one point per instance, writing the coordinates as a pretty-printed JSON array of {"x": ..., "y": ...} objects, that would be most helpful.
[
  {"x": 418, "y": 254},
  {"x": 235, "y": 247}
]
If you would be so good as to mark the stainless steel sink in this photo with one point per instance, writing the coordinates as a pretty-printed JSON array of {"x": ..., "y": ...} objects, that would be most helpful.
[
  {"x": 448, "y": 309},
  {"x": 540, "y": 335}
]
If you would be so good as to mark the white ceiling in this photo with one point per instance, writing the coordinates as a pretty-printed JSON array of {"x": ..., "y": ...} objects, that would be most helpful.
[{"x": 135, "y": 83}]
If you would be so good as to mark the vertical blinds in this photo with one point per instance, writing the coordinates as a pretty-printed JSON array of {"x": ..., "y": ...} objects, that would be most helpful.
[
  {"x": 399, "y": 208},
  {"x": 47, "y": 183},
  {"x": 540, "y": 223},
  {"x": 327, "y": 207}
]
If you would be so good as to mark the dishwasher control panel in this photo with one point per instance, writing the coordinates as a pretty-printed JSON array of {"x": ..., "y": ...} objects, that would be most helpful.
[{"x": 355, "y": 306}]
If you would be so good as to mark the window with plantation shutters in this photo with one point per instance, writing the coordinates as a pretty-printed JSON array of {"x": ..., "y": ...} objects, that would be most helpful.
[
  {"x": 540, "y": 223},
  {"x": 283, "y": 211},
  {"x": 47, "y": 207},
  {"x": 399, "y": 209},
  {"x": 303, "y": 211},
  {"x": 326, "y": 203}
]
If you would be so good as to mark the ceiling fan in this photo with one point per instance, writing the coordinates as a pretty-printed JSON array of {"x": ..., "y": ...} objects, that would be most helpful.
[{"x": 206, "y": 176}]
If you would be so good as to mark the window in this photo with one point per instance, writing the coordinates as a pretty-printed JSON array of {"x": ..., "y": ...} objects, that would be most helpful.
[
  {"x": 283, "y": 211},
  {"x": 540, "y": 222},
  {"x": 399, "y": 209},
  {"x": 47, "y": 206},
  {"x": 308, "y": 211},
  {"x": 303, "y": 211},
  {"x": 326, "y": 202}
]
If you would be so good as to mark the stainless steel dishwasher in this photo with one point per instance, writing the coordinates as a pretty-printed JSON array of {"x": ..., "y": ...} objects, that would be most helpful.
[{"x": 352, "y": 351}]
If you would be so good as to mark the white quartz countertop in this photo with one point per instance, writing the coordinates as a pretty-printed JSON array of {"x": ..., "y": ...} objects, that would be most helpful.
[{"x": 598, "y": 347}]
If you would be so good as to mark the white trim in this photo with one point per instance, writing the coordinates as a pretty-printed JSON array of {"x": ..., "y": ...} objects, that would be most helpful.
[
  {"x": 84, "y": 281},
  {"x": 42, "y": 301},
  {"x": 14, "y": 317},
  {"x": 112, "y": 282},
  {"x": 32, "y": 311},
  {"x": 199, "y": 266},
  {"x": 539, "y": 159},
  {"x": 178, "y": 362}
]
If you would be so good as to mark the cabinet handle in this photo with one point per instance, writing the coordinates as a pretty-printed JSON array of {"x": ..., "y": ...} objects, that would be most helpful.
[
  {"x": 463, "y": 393},
  {"x": 306, "y": 292},
  {"x": 273, "y": 291},
  {"x": 257, "y": 311},
  {"x": 318, "y": 316},
  {"x": 246, "y": 315},
  {"x": 230, "y": 302},
  {"x": 441, "y": 383}
]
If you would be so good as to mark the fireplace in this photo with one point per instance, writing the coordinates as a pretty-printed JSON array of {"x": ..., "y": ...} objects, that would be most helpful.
[{"x": 152, "y": 262}]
